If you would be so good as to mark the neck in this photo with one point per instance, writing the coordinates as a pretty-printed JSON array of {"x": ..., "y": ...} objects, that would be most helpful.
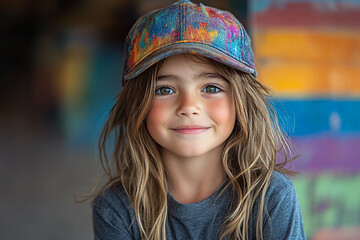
[{"x": 193, "y": 179}]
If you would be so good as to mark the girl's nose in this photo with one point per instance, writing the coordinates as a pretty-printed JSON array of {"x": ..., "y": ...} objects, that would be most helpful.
[{"x": 189, "y": 105}]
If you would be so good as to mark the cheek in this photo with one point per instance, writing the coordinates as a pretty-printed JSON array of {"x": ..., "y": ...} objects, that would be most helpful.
[
  {"x": 223, "y": 112},
  {"x": 157, "y": 115}
]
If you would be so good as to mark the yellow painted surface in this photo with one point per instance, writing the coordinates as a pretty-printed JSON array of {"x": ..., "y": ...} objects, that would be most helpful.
[{"x": 309, "y": 62}]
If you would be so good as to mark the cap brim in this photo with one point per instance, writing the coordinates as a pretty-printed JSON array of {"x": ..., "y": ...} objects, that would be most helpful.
[{"x": 195, "y": 48}]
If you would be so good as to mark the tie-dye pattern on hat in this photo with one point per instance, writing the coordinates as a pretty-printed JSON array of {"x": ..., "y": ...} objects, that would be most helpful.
[{"x": 185, "y": 27}]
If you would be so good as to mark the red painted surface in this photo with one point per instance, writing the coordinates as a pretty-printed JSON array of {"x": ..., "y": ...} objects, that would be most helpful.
[{"x": 306, "y": 14}]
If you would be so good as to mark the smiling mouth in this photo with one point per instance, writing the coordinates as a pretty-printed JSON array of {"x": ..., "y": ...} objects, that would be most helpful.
[{"x": 190, "y": 129}]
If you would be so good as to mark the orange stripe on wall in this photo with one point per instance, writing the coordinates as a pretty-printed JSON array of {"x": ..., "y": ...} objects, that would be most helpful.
[
  {"x": 309, "y": 62},
  {"x": 310, "y": 78},
  {"x": 323, "y": 45}
]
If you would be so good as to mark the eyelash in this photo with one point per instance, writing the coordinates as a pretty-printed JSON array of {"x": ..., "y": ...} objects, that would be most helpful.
[{"x": 159, "y": 88}]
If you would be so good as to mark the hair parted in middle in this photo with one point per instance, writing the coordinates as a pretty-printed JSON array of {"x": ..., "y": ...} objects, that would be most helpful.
[{"x": 248, "y": 158}]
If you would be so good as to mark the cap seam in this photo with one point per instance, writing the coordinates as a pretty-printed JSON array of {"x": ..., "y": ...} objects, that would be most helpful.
[{"x": 182, "y": 19}]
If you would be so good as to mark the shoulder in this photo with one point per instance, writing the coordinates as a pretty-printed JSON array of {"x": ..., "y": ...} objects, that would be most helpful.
[
  {"x": 113, "y": 215},
  {"x": 280, "y": 185},
  {"x": 281, "y": 193},
  {"x": 113, "y": 199},
  {"x": 284, "y": 219}
]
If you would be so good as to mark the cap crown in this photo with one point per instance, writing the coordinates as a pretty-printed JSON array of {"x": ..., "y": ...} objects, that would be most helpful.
[{"x": 185, "y": 27}]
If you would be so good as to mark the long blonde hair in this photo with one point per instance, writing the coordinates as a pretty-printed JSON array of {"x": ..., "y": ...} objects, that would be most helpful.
[{"x": 248, "y": 158}]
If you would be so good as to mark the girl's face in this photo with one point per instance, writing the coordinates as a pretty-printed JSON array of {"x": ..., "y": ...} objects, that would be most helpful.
[{"x": 192, "y": 113}]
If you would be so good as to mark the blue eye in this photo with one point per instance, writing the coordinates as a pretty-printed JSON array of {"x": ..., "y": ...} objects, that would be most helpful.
[
  {"x": 164, "y": 91},
  {"x": 211, "y": 89}
]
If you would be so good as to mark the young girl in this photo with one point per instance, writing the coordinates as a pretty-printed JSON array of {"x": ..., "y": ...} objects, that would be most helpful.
[{"x": 195, "y": 139}]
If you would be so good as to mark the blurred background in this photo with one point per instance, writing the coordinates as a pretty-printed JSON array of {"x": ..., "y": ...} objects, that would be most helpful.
[{"x": 60, "y": 69}]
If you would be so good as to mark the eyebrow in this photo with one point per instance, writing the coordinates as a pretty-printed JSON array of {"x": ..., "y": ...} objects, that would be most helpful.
[
  {"x": 168, "y": 77},
  {"x": 200, "y": 75}
]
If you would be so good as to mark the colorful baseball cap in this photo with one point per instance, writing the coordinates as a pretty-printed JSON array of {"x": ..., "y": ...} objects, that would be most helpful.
[{"x": 185, "y": 27}]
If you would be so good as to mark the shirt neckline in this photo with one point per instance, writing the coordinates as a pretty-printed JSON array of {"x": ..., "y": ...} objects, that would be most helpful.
[{"x": 203, "y": 207}]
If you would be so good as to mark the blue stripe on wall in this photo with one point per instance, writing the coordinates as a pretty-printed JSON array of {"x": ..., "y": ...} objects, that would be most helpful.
[{"x": 317, "y": 116}]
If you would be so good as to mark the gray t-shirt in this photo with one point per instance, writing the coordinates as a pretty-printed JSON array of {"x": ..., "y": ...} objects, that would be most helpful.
[{"x": 114, "y": 218}]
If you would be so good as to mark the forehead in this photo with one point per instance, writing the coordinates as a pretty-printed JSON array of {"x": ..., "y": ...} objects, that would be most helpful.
[{"x": 181, "y": 63}]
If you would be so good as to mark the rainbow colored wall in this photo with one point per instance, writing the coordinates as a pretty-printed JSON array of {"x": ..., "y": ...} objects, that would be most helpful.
[{"x": 308, "y": 52}]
